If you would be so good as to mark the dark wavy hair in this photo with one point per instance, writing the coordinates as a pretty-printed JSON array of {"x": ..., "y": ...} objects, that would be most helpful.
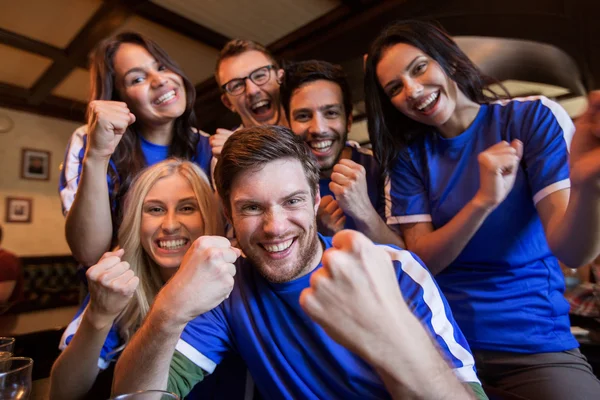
[
  {"x": 391, "y": 131},
  {"x": 300, "y": 73},
  {"x": 253, "y": 147},
  {"x": 128, "y": 157}
]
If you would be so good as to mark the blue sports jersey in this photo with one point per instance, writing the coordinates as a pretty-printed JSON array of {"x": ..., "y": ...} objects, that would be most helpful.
[
  {"x": 110, "y": 349},
  {"x": 505, "y": 288},
  {"x": 228, "y": 383},
  {"x": 290, "y": 356},
  {"x": 375, "y": 189},
  {"x": 153, "y": 153}
]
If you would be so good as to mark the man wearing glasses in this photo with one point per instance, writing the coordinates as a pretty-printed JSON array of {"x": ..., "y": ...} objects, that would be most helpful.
[{"x": 249, "y": 78}]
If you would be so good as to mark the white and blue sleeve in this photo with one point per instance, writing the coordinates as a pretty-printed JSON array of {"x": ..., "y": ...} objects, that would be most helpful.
[
  {"x": 110, "y": 349},
  {"x": 405, "y": 194},
  {"x": 71, "y": 168},
  {"x": 429, "y": 305},
  {"x": 546, "y": 136},
  {"x": 205, "y": 340}
]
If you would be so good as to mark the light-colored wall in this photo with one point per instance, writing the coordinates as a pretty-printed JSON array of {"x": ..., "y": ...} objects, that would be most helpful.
[
  {"x": 358, "y": 132},
  {"x": 45, "y": 234}
]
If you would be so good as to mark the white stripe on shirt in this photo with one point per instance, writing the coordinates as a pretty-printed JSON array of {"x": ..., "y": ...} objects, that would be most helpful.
[
  {"x": 408, "y": 219},
  {"x": 401, "y": 219},
  {"x": 568, "y": 130},
  {"x": 439, "y": 320},
  {"x": 563, "y": 119},
  {"x": 195, "y": 356},
  {"x": 555, "y": 187},
  {"x": 566, "y": 124},
  {"x": 387, "y": 188},
  {"x": 70, "y": 331},
  {"x": 71, "y": 168}
]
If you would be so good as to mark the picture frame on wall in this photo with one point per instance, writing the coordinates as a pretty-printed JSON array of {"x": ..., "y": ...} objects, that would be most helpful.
[
  {"x": 35, "y": 164},
  {"x": 19, "y": 209}
]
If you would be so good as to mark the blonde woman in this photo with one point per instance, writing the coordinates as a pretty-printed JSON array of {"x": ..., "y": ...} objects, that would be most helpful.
[{"x": 169, "y": 206}]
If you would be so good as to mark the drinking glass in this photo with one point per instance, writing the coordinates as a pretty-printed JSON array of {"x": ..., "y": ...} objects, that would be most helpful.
[
  {"x": 15, "y": 378},
  {"x": 7, "y": 345},
  {"x": 147, "y": 395}
]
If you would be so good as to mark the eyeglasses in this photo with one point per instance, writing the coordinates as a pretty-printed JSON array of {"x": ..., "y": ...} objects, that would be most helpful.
[{"x": 259, "y": 77}]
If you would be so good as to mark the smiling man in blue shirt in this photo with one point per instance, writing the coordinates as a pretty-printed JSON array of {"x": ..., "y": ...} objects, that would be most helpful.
[{"x": 269, "y": 306}]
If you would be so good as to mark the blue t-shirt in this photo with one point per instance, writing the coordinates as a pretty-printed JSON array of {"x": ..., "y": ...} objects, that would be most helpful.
[
  {"x": 153, "y": 153},
  {"x": 229, "y": 382},
  {"x": 110, "y": 349},
  {"x": 375, "y": 189},
  {"x": 290, "y": 356},
  {"x": 506, "y": 287}
]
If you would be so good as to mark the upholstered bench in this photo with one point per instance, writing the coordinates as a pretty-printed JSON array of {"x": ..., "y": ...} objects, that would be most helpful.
[{"x": 48, "y": 282}]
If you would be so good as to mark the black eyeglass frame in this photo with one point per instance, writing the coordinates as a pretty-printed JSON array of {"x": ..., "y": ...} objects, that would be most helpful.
[{"x": 249, "y": 76}]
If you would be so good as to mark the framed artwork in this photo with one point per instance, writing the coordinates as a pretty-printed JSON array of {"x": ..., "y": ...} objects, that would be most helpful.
[
  {"x": 18, "y": 209},
  {"x": 35, "y": 164}
]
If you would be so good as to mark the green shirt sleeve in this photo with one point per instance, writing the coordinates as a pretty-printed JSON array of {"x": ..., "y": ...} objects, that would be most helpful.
[
  {"x": 183, "y": 375},
  {"x": 477, "y": 390}
]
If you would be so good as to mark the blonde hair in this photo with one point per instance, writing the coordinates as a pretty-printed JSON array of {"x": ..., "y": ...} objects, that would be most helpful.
[{"x": 129, "y": 234}]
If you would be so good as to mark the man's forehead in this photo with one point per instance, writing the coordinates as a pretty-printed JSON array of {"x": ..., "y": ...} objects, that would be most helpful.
[
  {"x": 319, "y": 93},
  {"x": 241, "y": 65},
  {"x": 273, "y": 180}
]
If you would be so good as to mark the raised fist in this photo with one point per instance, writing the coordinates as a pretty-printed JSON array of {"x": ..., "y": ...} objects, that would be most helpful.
[
  {"x": 108, "y": 122},
  {"x": 111, "y": 284}
]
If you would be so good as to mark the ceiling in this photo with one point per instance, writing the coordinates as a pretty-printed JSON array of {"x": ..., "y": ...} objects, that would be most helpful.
[{"x": 44, "y": 44}]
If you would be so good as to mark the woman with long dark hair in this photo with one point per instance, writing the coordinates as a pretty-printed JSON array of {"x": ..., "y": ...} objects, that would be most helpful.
[
  {"x": 141, "y": 112},
  {"x": 482, "y": 190}
]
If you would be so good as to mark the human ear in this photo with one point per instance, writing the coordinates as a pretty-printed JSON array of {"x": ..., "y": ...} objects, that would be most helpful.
[
  {"x": 279, "y": 76},
  {"x": 226, "y": 102},
  {"x": 349, "y": 122},
  {"x": 317, "y": 200}
]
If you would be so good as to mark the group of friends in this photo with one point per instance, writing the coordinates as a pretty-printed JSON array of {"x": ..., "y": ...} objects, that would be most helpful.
[{"x": 428, "y": 268}]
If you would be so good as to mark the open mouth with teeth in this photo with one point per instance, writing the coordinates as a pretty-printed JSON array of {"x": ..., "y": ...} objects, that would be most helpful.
[
  {"x": 166, "y": 98},
  {"x": 428, "y": 103},
  {"x": 280, "y": 249},
  {"x": 262, "y": 109},
  {"x": 321, "y": 147},
  {"x": 172, "y": 244}
]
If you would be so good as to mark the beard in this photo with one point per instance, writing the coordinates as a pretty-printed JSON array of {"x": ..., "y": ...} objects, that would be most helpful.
[
  {"x": 326, "y": 166},
  {"x": 286, "y": 270}
]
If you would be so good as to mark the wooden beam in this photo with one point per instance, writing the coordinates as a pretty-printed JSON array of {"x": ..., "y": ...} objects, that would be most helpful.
[
  {"x": 15, "y": 97},
  {"x": 105, "y": 21},
  {"x": 17, "y": 92},
  {"x": 48, "y": 81},
  {"x": 356, "y": 4},
  {"x": 34, "y": 46},
  {"x": 290, "y": 46},
  {"x": 180, "y": 24},
  {"x": 312, "y": 29},
  {"x": 335, "y": 32},
  {"x": 207, "y": 92}
]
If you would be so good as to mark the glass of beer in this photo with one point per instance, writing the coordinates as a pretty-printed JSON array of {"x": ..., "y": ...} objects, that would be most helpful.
[
  {"x": 15, "y": 378},
  {"x": 7, "y": 345},
  {"x": 147, "y": 395}
]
